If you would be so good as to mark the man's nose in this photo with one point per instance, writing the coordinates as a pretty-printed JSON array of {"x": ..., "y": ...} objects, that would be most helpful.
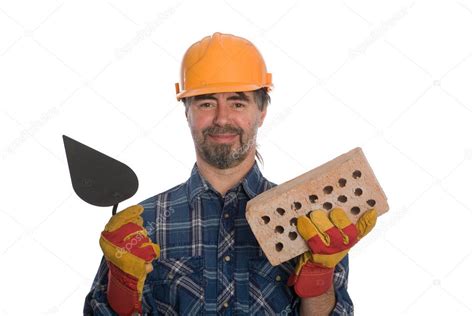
[{"x": 222, "y": 114}]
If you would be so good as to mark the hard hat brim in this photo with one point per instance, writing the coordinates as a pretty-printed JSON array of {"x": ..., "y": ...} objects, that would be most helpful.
[{"x": 237, "y": 87}]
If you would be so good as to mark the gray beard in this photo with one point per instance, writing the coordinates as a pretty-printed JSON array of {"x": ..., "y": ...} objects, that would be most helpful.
[{"x": 222, "y": 156}]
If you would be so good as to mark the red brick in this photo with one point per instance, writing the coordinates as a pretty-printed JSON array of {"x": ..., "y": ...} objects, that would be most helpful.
[{"x": 272, "y": 214}]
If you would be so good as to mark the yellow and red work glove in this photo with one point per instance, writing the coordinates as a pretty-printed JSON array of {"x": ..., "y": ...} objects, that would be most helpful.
[
  {"x": 329, "y": 236},
  {"x": 128, "y": 251}
]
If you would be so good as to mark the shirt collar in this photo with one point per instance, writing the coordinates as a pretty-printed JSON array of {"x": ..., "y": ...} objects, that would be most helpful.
[{"x": 252, "y": 183}]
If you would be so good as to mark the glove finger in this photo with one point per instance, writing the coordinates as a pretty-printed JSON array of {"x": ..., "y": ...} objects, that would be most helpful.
[
  {"x": 339, "y": 218},
  {"x": 321, "y": 221},
  {"x": 315, "y": 226},
  {"x": 148, "y": 251},
  {"x": 136, "y": 220},
  {"x": 335, "y": 238},
  {"x": 306, "y": 228},
  {"x": 136, "y": 239},
  {"x": 346, "y": 228},
  {"x": 314, "y": 230},
  {"x": 140, "y": 245},
  {"x": 366, "y": 222},
  {"x": 125, "y": 233},
  {"x": 129, "y": 214}
]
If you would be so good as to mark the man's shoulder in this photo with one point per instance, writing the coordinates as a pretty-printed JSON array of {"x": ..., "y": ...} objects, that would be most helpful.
[
  {"x": 269, "y": 184},
  {"x": 266, "y": 185},
  {"x": 164, "y": 200}
]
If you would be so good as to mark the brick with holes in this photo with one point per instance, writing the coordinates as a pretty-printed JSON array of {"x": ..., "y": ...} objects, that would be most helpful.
[{"x": 347, "y": 182}]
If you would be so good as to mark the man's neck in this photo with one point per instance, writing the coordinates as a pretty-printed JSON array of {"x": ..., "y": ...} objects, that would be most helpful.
[{"x": 224, "y": 179}]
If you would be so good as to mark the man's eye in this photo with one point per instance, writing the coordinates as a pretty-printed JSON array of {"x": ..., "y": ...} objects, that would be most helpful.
[
  {"x": 205, "y": 105},
  {"x": 239, "y": 105}
]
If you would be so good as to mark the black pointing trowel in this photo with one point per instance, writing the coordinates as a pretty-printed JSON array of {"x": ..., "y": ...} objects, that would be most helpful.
[{"x": 97, "y": 178}]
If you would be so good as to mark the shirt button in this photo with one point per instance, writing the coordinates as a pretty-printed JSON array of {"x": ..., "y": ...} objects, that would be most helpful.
[
  {"x": 226, "y": 304},
  {"x": 226, "y": 215},
  {"x": 278, "y": 278},
  {"x": 227, "y": 258}
]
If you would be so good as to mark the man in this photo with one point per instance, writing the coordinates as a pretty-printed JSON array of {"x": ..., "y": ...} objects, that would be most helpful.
[{"x": 209, "y": 260}]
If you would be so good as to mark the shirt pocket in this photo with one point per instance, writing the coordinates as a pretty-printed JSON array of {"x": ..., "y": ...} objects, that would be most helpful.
[
  {"x": 268, "y": 291},
  {"x": 177, "y": 285}
]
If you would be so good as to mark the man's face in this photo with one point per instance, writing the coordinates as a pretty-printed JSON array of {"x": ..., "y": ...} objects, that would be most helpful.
[{"x": 224, "y": 127}]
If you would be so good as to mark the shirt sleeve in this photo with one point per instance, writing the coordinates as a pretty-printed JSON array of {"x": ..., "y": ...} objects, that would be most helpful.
[
  {"x": 344, "y": 304},
  {"x": 96, "y": 301}
]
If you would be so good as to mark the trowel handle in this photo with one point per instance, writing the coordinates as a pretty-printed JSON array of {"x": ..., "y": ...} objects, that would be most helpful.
[{"x": 114, "y": 210}]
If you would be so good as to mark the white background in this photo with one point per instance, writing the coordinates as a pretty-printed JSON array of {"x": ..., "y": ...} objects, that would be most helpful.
[{"x": 393, "y": 77}]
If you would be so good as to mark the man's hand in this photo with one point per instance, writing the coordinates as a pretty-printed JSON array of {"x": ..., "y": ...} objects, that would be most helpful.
[
  {"x": 329, "y": 236},
  {"x": 129, "y": 253}
]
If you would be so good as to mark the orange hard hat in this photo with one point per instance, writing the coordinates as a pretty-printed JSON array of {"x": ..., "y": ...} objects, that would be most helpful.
[{"x": 222, "y": 63}]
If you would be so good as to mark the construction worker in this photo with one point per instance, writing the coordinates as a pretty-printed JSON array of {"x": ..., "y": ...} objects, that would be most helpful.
[{"x": 190, "y": 250}]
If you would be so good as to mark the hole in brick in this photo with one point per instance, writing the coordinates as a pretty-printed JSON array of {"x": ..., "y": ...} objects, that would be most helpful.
[
  {"x": 297, "y": 205},
  {"x": 342, "y": 182},
  {"x": 279, "y": 247},
  {"x": 327, "y": 206},
  {"x": 280, "y": 211},
  {"x": 371, "y": 203},
  {"x": 356, "y": 174},
  {"x": 292, "y": 235},
  {"x": 279, "y": 229},
  {"x": 313, "y": 198},
  {"x": 266, "y": 219},
  {"x": 328, "y": 189},
  {"x": 342, "y": 198},
  {"x": 358, "y": 192},
  {"x": 355, "y": 210},
  {"x": 293, "y": 221}
]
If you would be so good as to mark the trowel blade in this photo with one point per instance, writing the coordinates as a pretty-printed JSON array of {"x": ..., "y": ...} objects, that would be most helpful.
[{"x": 97, "y": 178}]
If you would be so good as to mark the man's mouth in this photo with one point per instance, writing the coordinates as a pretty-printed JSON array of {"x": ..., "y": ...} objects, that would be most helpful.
[{"x": 223, "y": 138}]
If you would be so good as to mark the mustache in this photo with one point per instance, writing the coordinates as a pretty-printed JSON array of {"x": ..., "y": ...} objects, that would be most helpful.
[{"x": 226, "y": 129}]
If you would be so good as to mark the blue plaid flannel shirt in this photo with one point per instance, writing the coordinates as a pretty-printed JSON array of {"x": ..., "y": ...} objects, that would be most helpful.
[{"x": 210, "y": 261}]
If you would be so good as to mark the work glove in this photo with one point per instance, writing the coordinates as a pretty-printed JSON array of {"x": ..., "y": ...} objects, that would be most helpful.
[
  {"x": 129, "y": 253},
  {"x": 329, "y": 236}
]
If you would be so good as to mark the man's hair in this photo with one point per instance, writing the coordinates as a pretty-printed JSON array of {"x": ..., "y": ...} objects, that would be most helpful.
[{"x": 262, "y": 98}]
